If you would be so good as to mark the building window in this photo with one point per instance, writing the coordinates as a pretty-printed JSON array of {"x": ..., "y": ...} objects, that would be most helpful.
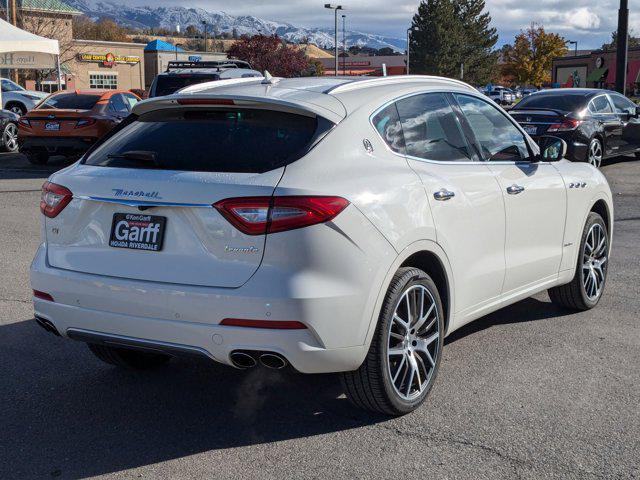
[{"x": 108, "y": 81}]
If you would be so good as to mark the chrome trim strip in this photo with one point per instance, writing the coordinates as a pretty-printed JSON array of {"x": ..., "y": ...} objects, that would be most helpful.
[
  {"x": 142, "y": 203},
  {"x": 110, "y": 339}
]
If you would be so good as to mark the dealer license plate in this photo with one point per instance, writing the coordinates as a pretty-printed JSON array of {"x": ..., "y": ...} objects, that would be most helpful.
[{"x": 137, "y": 231}]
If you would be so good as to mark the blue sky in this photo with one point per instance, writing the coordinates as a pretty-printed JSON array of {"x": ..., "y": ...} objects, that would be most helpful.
[{"x": 590, "y": 22}]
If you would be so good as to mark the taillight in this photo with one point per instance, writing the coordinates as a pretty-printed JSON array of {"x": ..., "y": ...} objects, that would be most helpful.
[
  {"x": 566, "y": 126},
  {"x": 42, "y": 295},
  {"x": 85, "y": 122},
  {"x": 54, "y": 199},
  {"x": 206, "y": 101},
  {"x": 261, "y": 215},
  {"x": 23, "y": 121}
]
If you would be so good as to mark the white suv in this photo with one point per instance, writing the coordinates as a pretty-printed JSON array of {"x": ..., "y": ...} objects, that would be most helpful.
[{"x": 336, "y": 225}]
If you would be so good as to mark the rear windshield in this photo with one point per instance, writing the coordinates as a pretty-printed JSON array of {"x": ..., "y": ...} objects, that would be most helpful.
[
  {"x": 71, "y": 101},
  {"x": 222, "y": 140},
  {"x": 559, "y": 101},
  {"x": 168, "y": 84}
]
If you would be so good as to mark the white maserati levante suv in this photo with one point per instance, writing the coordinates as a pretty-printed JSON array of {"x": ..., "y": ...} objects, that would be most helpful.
[{"x": 330, "y": 224}]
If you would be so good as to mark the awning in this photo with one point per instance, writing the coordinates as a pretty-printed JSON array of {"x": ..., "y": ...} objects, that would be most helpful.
[
  {"x": 21, "y": 49},
  {"x": 597, "y": 74},
  {"x": 633, "y": 68}
]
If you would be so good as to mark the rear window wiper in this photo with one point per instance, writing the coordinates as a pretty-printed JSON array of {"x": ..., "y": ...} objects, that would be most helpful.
[{"x": 142, "y": 156}]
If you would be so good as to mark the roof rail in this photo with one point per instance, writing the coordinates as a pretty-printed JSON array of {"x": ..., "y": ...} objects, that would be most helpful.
[
  {"x": 374, "y": 82},
  {"x": 227, "y": 63},
  {"x": 201, "y": 87}
]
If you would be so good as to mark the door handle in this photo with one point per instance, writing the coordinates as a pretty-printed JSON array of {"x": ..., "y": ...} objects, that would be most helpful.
[
  {"x": 515, "y": 189},
  {"x": 443, "y": 194}
]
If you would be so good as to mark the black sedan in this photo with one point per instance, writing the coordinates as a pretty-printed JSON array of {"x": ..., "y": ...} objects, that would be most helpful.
[
  {"x": 8, "y": 131},
  {"x": 596, "y": 124}
]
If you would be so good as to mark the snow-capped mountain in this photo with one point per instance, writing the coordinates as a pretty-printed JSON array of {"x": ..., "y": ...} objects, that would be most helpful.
[{"x": 220, "y": 22}]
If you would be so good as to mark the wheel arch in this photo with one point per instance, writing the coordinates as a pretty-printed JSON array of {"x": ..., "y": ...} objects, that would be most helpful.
[
  {"x": 601, "y": 208},
  {"x": 15, "y": 102}
]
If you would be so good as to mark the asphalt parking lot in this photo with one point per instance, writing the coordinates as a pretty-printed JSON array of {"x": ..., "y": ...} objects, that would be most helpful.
[{"x": 531, "y": 391}]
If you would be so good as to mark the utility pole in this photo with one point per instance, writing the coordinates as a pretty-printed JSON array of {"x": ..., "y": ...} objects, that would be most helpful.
[
  {"x": 335, "y": 9},
  {"x": 409, "y": 30},
  {"x": 204, "y": 22},
  {"x": 621, "y": 50},
  {"x": 14, "y": 21}
]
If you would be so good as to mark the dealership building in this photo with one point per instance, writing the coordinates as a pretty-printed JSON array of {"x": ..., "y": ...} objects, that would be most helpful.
[{"x": 595, "y": 69}]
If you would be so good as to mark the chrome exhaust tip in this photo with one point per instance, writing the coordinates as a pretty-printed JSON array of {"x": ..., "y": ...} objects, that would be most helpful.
[
  {"x": 47, "y": 325},
  {"x": 274, "y": 361},
  {"x": 242, "y": 360}
]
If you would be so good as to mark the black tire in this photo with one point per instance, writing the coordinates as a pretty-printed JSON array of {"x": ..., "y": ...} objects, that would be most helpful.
[
  {"x": 10, "y": 137},
  {"x": 38, "y": 158},
  {"x": 573, "y": 295},
  {"x": 124, "y": 357},
  {"x": 371, "y": 386},
  {"x": 17, "y": 108}
]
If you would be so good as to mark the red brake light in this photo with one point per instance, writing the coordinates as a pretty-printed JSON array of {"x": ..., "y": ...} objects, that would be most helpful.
[
  {"x": 54, "y": 199},
  {"x": 85, "y": 122},
  {"x": 206, "y": 101},
  {"x": 42, "y": 295},
  {"x": 261, "y": 215},
  {"x": 273, "y": 324},
  {"x": 566, "y": 126}
]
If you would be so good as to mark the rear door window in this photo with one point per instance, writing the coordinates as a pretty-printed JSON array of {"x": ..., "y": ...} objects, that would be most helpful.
[
  {"x": 217, "y": 140},
  {"x": 387, "y": 123},
  {"x": 70, "y": 101},
  {"x": 600, "y": 105},
  {"x": 622, "y": 104},
  {"x": 431, "y": 129}
]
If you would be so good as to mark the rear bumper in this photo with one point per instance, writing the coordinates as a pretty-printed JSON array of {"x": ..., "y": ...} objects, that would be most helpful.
[
  {"x": 56, "y": 144},
  {"x": 187, "y": 318}
]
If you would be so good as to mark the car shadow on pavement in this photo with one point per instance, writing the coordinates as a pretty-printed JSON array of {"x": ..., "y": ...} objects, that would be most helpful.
[
  {"x": 527, "y": 310},
  {"x": 14, "y": 166},
  {"x": 66, "y": 414}
]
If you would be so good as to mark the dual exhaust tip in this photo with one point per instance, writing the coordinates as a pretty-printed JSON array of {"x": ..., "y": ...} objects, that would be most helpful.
[{"x": 248, "y": 359}]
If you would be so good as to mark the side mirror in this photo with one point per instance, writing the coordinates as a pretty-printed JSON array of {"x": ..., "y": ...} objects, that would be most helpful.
[{"x": 552, "y": 149}]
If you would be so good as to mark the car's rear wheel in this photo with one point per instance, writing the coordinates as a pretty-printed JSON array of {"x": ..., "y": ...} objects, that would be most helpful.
[
  {"x": 595, "y": 152},
  {"x": 10, "y": 137},
  {"x": 585, "y": 290},
  {"x": 39, "y": 157},
  {"x": 123, "y": 357},
  {"x": 405, "y": 351}
]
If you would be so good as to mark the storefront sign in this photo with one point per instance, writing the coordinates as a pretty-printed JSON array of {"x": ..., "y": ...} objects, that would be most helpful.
[
  {"x": 108, "y": 59},
  {"x": 27, "y": 60}
]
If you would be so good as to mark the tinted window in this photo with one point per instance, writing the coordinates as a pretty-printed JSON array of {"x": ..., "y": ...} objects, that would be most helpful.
[
  {"x": 168, "y": 84},
  {"x": 9, "y": 86},
  {"x": 118, "y": 105},
  {"x": 229, "y": 140},
  {"x": 388, "y": 125},
  {"x": 622, "y": 104},
  {"x": 600, "y": 105},
  {"x": 431, "y": 129},
  {"x": 71, "y": 101},
  {"x": 555, "y": 101},
  {"x": 497, "y": 136},
  {"x": 131, "y": 100}
]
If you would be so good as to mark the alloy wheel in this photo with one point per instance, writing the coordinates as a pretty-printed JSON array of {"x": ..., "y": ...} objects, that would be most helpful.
[
  {"x": 595, "y": 153},
  {"x": 10, "y": 137},
  {"x": 413, "y": 342},
  {"x": 594, "y": 261}
]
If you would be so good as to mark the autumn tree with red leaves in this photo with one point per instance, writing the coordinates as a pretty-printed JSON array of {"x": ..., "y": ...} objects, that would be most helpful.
[{"x": 269, "y": 52}]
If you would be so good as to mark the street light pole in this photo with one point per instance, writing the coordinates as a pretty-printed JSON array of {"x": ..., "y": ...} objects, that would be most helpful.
[
  {"x": 204, "y": 22},
  {"x": 621, "y": 48},
  {"x": 335, "y": 9},
  {"x": 409, "y": 30},
  {"x": 344, "y": 46},
  {"x": 177, "y": 45},
  {"x": 575, "y": 50}
]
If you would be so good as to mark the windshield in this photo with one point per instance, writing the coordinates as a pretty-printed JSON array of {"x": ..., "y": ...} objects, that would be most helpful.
[
  {"x": 9, "y": 86},
  {"x": 221, "y": 140},
  {"x": 168, "y": 84},
  {"x": 555, "y": 101},
  {"x": 71, "y": 101}
]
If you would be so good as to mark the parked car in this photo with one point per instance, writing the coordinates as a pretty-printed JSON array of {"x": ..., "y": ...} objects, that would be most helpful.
[
  {"x": 330, "y": 224},
  {"x": 501, "y": 96},
  {"x": 9, "y": 129},
  {"x": 596, "y": 124},
  {"x": 68, "y": 123},
  {"x": 17, "y": 99},
  {"x": 183, "y": 74}
]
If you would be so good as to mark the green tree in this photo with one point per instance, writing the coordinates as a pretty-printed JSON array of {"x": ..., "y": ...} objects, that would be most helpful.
[
  {"x": 529, "y": 60},
  {"x": 451, "y": 33},
  {"x": 632, "y": 42}
]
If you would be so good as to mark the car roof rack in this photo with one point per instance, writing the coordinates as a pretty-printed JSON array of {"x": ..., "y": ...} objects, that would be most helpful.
[
  {"x": 367, "y": 82},
  {"x": 175, "y": 64}
]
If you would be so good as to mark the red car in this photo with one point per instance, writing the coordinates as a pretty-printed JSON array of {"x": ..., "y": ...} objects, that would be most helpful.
[{"x": 68, "y": 123}]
